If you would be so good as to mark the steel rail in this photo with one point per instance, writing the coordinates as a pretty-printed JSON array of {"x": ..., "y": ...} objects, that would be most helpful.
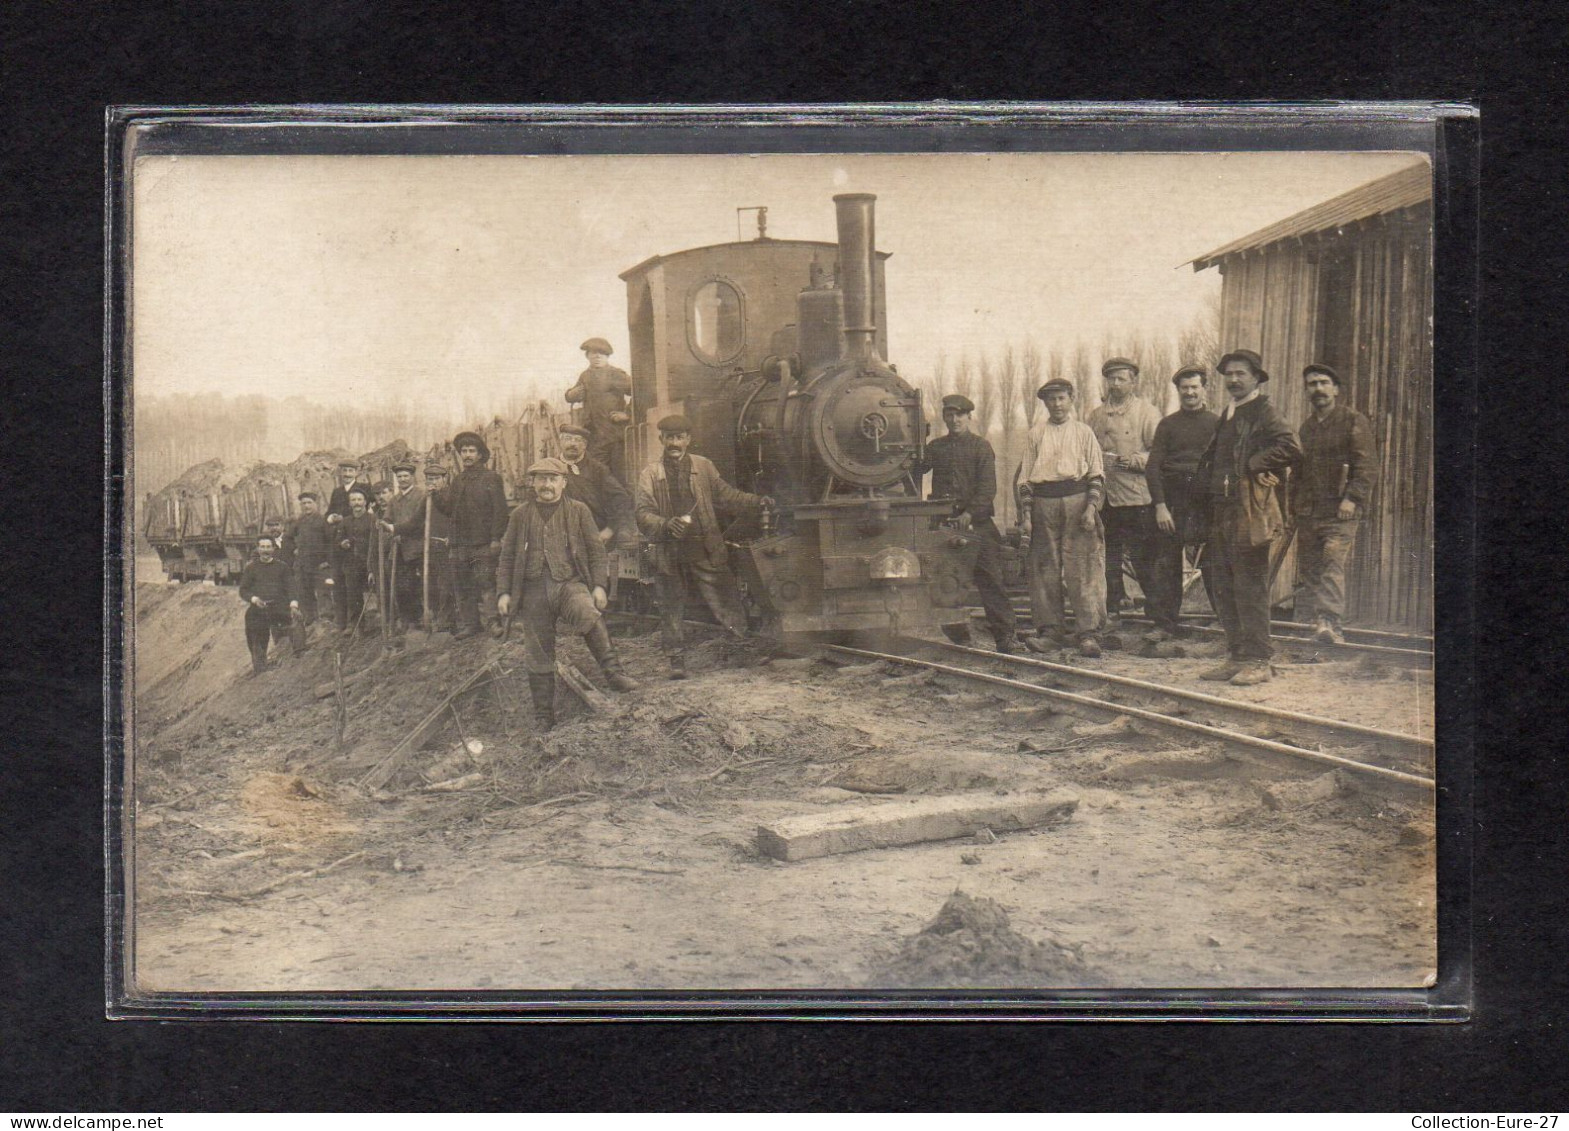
[
  {"x": 1415, "y": 654},
  {"x": 1390, "y": 779},
  {"x": 1422, "y": 747},
  {"x": 1415, "y": 641}
]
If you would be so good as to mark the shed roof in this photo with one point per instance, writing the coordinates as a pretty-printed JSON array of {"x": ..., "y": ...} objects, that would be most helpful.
[{"x": 1400, "y": 189}]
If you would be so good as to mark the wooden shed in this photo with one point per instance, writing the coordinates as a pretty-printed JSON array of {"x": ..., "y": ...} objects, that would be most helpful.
[{"x": 1349, "y": 283}]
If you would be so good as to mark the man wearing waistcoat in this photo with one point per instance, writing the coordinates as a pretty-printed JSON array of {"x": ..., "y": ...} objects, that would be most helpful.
[{"x": 551, "y": 574}]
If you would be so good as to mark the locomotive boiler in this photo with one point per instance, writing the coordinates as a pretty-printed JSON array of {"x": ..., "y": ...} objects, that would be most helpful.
[{"x": 775, "y": 350}]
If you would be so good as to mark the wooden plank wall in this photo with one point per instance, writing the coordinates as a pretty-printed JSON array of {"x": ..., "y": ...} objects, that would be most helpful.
[{"x": 1270, "y": 303}]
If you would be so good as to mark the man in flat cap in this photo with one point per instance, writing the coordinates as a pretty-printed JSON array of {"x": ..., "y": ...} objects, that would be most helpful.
[
  {"x": 602, "y": 390},
  {"x": 1339, "y": 464},
  {"x": 590, "y": 482},
  {"x": 476, "y": 502},
  {"x": 353, "y": 557},
  {"x": 349, "y": 477},
  {"x": 404, "y": 520},
  {"x": 310, "y": 547},
  {"x": 964, "y": 469},
  {"x": 1063, "y": 478},
  {"x": 443, "y": 596},
  {"x": 1180, "y": 439},
  {"x": 678, "y": 496},
  {"x": 1252, "y": 452},
  {"x": 1124, "y": 426},
  {"x": 552, "y": 572},
  {"x": 267, "y": 588}
]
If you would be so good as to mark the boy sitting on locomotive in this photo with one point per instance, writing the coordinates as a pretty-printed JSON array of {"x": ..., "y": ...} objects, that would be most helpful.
[{"x": 602, "y": 390}]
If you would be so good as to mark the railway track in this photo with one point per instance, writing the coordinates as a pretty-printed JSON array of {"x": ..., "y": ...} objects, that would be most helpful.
[
  {"x": 1298, "y": 638},
  {"x": 1387, "y": 762}
]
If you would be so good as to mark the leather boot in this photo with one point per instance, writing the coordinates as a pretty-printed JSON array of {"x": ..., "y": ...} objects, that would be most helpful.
[
  {"x": 598, "y": 641},
  {"x": 542, "y": 690}
]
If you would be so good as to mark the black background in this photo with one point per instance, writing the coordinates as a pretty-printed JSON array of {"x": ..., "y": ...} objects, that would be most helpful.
[{"x": 60, "y": 65}]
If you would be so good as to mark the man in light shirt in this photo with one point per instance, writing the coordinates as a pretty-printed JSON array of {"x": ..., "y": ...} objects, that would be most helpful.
[
  {"x": 1063, "y": 477},
  {"x": 1124, "y": 426}
]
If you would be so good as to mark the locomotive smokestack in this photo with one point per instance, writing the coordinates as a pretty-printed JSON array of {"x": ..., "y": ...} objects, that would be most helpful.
[{"x": 857, "y": 271}]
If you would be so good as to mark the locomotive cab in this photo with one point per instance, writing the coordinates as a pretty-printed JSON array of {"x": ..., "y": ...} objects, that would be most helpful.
[{"x": 820, "y": 422}]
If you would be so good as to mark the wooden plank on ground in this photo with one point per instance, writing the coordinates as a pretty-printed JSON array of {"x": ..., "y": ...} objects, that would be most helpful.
[
  {"x": 580, "y": 685},
  {"x": 910, "y": 821},
  {"x": 381, "y": 773}
]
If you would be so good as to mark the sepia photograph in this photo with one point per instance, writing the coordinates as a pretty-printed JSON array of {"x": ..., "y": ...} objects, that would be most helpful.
[{"x": 778, "y": 573}]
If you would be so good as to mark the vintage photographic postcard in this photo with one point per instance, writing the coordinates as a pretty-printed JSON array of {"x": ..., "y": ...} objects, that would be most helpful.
[{"x": 822, "y": 573}]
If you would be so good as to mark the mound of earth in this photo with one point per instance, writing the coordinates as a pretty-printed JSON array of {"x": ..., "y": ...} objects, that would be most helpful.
[{"x": 972, "y": 943}]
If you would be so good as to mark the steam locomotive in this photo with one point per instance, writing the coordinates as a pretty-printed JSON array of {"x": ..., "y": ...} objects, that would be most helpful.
[{"x": 774, "y": 350}]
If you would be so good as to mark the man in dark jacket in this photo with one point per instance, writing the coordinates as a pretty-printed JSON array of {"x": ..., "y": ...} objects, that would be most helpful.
[
  {"x": 964, "y": 469},
  {"x": 267, "y": 588},
  {"x": 602, "y": 390},
  {"x": 552, "y": 573},
  {"x": 310, "y": 549},
  {"x": 1339, "y": 463},
  {"x": 476, "y": 502},
  {"x": 677, "y": 495},
  {"x": 404, "y": 520},
  {"x": 1170, "y": 472},
  {"x": 590, "y": 482},
  {"x": 352, "y": 557},
  {"x": 443, "y": 596},
  {"x": 1242, "y": 469},
  {"x": 349, "y": 477}
]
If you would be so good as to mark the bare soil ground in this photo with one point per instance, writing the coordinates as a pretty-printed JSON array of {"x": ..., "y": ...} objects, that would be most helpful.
[{"x": 618, "y": 851}]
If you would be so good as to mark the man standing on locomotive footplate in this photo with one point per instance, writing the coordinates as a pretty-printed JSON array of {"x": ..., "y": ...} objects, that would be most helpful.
[
  {"x": 964, "y": 469},
  {"x": 1063, "y": 477},
  {"x": 676, "y": 497}
]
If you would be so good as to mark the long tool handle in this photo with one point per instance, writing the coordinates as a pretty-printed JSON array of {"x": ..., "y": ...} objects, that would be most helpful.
[{"x": 425, "y": 574}]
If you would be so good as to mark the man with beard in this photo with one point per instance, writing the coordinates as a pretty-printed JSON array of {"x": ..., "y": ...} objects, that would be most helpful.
[
  {"x": 310, "y": 549},
  {"x": 552, "y": 572},
  {"x": 1064, "y": 480},
  {"x": 1180, "y": 439},
  {"x": 1338, "y": 467},
  {"x": 476, "y": 502},
  {"x": 590, "y": 482},
  {"x": 351, "y": 560},
  {"x": 267, "y": 588},
  {"x": 1252, "y": 451},
  {"x": 1124, "y": 426},
  {"x": 676, "y": 499},
  {"x": 602, "y": 390},
  {"x": 404, "y": 520},
  {"x": 964, "y": 469}
]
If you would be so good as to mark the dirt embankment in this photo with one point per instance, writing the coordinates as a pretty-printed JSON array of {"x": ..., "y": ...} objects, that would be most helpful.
[{"x": 618, "y": 851}]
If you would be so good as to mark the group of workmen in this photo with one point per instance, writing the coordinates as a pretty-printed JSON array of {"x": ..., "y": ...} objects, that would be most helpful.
[
  {"x": 544, "y": 563},
  {"x": 1128, "y": 486},
  {"x": 1123, "y": 486}
]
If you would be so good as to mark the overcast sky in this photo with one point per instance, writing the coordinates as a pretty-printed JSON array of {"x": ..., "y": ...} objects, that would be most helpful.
[{"x": 452, "y": 279}]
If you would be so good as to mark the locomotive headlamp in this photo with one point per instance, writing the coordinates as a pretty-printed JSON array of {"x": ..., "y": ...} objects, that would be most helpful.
[{"x": 894, "y": 564}]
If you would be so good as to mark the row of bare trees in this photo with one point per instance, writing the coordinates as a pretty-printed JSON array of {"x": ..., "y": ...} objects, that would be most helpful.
[{"x": 1002, "y": 382}]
